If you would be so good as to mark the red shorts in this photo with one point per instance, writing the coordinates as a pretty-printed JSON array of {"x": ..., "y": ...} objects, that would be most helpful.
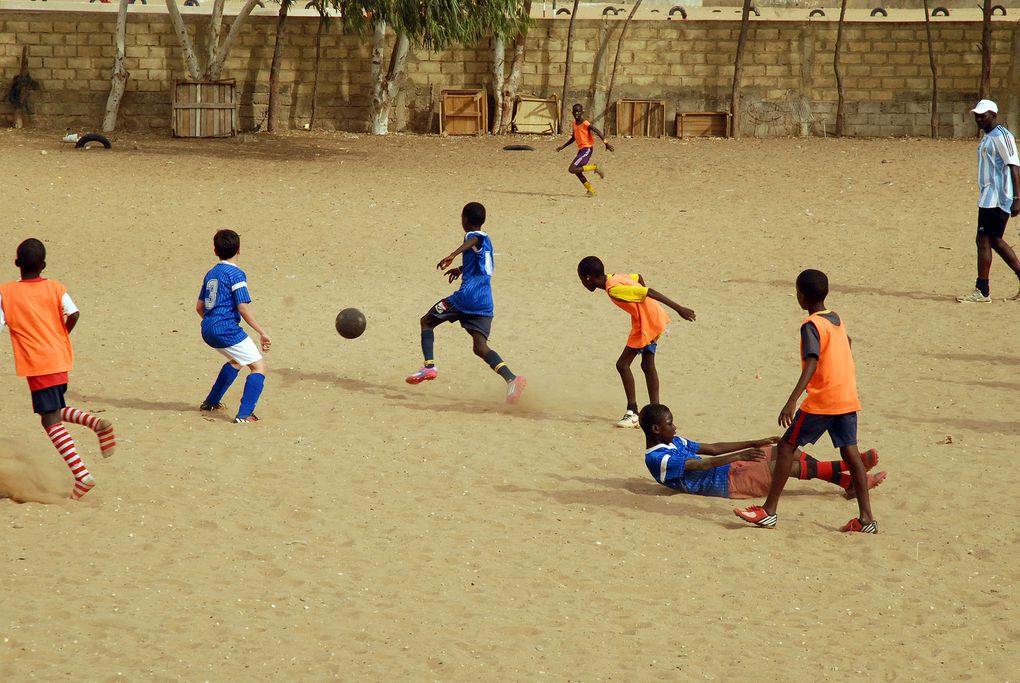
[{"x": 751, "y": 479}]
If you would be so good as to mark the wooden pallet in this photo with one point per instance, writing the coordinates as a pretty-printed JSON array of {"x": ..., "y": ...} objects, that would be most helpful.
[
  {"x": 464, "y": 112},
  {"x": 641, "y": 118},
  {"x": 204, "y": 109},
  {"x": 703, "y": 124},
  {"x": 537, "y": 115}
]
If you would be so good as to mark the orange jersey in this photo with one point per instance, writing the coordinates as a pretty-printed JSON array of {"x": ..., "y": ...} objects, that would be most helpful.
[
  {"x": 833, "y": 388},
  {"x": 648, "y": 319},
  {"x": 582, "y": 135},
  {"x": 34, "y": 312}
]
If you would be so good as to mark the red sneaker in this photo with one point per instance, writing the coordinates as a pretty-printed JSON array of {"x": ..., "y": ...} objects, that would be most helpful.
[
  {"x": 757, "y": 515},
  {"x": 856, "y": 526},
  {"x": 515, "y": 388},
  {"x": 423, "y": 374}
]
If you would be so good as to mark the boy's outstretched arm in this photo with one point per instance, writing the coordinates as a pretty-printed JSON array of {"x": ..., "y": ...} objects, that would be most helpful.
[
  {"x": 683, "y": 311},
  {"x": 753, "y": 454},
  {"x": 601, "y": 137},
  {"x": 71, "y": 321},
  {"x": 721, "y": 447},
  {"x": 467, "y": 244},
  {"x": 565, "y": 144},
  {"x": 786, "y": 415},
  {"x": 264, "y": 341}
]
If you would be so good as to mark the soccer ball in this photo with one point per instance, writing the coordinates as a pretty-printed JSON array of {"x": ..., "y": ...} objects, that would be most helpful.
[{"x": 350, "y": 323}]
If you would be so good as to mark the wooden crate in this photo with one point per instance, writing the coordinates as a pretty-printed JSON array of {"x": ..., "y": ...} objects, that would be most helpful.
[
  {"x": 537, "y": 115},
  {"x": 464, "y": 112},
  {"x": 641, "y": 118},
  {"x": 703, "y": 124},
  {"x": 204, "y": 109}
]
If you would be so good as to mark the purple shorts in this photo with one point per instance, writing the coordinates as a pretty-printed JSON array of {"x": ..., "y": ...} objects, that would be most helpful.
[{"x": 583, "y": 157}]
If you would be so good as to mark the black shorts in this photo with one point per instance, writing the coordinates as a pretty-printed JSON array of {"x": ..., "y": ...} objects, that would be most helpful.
[
  {"x": 992, "y": 221},
  {"x": 49, "y": 400},
  {"x": 808, "y": 427},
  {"x": 443, "y": 312}
]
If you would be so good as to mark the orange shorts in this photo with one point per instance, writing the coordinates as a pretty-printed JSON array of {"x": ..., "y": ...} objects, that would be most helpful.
[{"x": 751, "y": 479}]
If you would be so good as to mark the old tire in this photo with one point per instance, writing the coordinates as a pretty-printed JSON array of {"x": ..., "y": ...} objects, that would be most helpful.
[
  {"x": 518, "y": 148},
  {"x": 93, "y": 137}
]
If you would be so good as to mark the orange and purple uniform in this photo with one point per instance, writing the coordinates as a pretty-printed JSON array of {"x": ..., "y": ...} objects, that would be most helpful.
[
  {"x": 582, "y": 134},
  {"x": 648, "y": 319}
]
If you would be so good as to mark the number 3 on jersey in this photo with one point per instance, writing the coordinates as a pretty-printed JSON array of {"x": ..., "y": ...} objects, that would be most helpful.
[{"x": 211, "y": 289}]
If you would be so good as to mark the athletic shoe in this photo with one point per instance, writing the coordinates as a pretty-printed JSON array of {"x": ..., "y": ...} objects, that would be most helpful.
[
  {"x": 245, "y": 420},
  {"x": 975, "y": 297},
  {"x": 855, "y": 526},
  {"x": 756, "y": 515},
  {"x": 206, "y": 406},
  {"x": 629, "y": 419},
  {"x": 870, "y": 458},
  {"x": 514, "y": 389},
  {"x": 424, "y": 374}
]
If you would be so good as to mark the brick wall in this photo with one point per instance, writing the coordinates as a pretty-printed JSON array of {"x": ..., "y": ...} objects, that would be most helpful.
[{"x": 789, "y": 86}]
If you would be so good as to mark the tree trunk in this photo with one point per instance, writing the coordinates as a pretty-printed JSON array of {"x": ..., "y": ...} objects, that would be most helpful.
[
  {"x": 619, "y": 48},
  {"x": 21, "y": 106},
  {"x": 934, "y": 75},
  {"x": 190, "y": 60},
  {"x": 498, "y": 61},
  {"x": 986, "y": 51},
  {"x": 318, "y": 60},
  {"x": 216, "y": 65},
  {"x": 838, "y": 68},
  {"x": 566, "y": 68},
  {"x": 213, "y": 38},
  {"x": 274, "y": 69},
  {"x": 738, "y": 70},
  {"x": 120, "y": 75},
  {"x": 385, "y": 86},
  {"x": 512, "y": 84}
]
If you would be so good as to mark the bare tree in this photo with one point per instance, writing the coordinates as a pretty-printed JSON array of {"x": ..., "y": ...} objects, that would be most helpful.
[
  {"x": 838, "y": 68},
  {"x": 274, "y": 68},
  {"x": 320, "y": 7},
  {"x": 565, "y": 109},
  {"x": 506, "y": 88},
  {"x": 934, "y": 75},
  {"x": 216, "y": 51},
  {"x": 386, "y": 83},
  {"x": 619, "y": 49},
  {"x": 118, "y": 80},
  {"x": 986, "y": 50},
  {"x": 738, "y": 69}
]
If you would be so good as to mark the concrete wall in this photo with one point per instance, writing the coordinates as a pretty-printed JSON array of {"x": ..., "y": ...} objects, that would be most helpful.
[{"x": 789, "y": 87}]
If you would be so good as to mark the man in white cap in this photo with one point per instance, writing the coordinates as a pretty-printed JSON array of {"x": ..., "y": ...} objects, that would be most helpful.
[{"x": 999, "y": 182}]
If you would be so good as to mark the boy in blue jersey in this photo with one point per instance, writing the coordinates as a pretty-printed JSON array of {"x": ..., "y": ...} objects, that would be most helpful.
[
  {"x": 222, "y": 303},
  {"x": 737, "y": 469},
  {"x": 471, "y": 305}
]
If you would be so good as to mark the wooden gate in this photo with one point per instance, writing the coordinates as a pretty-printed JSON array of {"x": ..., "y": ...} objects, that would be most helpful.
[{"x": 204, "y": 109}]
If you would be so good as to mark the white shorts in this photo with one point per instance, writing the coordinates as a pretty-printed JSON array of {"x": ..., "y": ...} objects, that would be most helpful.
[{"x": 243, "y": 353}]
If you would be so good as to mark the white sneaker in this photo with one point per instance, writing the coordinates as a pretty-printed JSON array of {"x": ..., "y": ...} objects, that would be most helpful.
[
  {"x": 629, "y": 419},
  {"x": 975, "y": 297}
]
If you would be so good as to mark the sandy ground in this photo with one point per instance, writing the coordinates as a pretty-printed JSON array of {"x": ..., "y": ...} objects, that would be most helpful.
[{"x": 370, "y": 530}]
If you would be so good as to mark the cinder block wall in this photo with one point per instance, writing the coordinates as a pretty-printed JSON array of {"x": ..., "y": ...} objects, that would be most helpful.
[{"x": 789, "y": 85}]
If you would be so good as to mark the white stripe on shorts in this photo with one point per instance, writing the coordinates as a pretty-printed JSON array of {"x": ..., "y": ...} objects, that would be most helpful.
[{"x": 244, "y": 352}]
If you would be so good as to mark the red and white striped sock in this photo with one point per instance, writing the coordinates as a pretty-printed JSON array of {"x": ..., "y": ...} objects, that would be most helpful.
[
  {"x": 102, "y": 427},
  {"x": 62, "y": 441}
]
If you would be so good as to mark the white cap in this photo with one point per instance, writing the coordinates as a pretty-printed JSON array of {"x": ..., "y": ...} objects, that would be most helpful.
[{"x": 985, "y": 106}]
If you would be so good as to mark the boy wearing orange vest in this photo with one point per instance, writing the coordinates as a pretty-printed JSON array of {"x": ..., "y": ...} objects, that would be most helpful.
[
  {"x": 40, "y": 315},
  {"x": 584, "y": 135},
  {"x": 829, "y": 376},
  {"x": 648, "y": 320}
]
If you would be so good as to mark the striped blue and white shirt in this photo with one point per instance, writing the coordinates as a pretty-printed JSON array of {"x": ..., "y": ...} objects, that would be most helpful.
[
  {"x": 475, "y": 294},
  {"x": 666, "y": 462},
  {"x": 224, "y": 287},
  {"x": 996, "y": 153}
]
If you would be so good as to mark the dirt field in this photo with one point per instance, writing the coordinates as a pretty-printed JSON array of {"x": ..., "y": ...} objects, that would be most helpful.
[{"x": 371, "y": 530}]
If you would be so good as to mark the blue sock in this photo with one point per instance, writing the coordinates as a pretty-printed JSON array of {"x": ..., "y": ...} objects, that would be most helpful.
[
  {"x": 252, "y": 390},
  {"x": 228, "y": 373},
  {"x": 428, "y": 338}
]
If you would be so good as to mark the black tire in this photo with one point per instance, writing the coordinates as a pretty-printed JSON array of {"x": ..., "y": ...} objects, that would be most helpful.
[
  {"x": 678, "y": 8},
  {"x": 756, "y": 11},
  {"x": 562, "y": 10},
  {"x": 1002, "y": 10},
  {"x": 940, "y": 12},
  {"x": 518, "y": 148},
  {"x": 816, "y": 13},
  {"x": 93, "y": 137},
  {"x": 612, "y": 9},
  {"x": 879, "y": 10}
]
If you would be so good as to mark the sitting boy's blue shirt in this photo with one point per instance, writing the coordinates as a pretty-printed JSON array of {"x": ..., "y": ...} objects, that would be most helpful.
[{"x": 666, "y": 463}]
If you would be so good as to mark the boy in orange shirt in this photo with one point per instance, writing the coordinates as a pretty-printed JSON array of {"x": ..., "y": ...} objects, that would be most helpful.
[
  {"x": 648, "y": 321},
  {"x": 583, "y": 135},
  {"x": 40, "y": 315},
  {"x": 829, "y": 376}
]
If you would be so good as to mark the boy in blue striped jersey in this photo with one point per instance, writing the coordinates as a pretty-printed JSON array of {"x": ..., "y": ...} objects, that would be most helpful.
[
  {"x": 471, "y": 305},
  {"x": 222, "y": 303}
]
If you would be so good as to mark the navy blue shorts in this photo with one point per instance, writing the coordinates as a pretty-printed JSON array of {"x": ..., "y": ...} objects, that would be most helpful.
[
  {"x": 49, "y": 400},
  {"x": 583, "y": 157},
  {"x": 992, "y": 222},
  {"x": 443, "y": 312},
  {"x": 808, "y": 427}
]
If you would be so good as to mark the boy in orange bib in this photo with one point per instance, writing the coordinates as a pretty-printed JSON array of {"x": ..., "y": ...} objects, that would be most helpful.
[
  {"x": 40, "y": 315},
  {"x": 648, "y": 320},
  {"x": 584, "y": 135},
  {"x": 829, "y": 376}
]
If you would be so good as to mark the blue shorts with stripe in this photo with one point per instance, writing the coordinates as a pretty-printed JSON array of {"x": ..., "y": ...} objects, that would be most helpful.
[
  {"x": 809, "y": 427},
  {"x": 583, "y": 156}
]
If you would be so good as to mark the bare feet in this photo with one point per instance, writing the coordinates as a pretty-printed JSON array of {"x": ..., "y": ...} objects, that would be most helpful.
[
  {"x": 873, "y": 481},
  {"x": 599, "y": 173}
]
